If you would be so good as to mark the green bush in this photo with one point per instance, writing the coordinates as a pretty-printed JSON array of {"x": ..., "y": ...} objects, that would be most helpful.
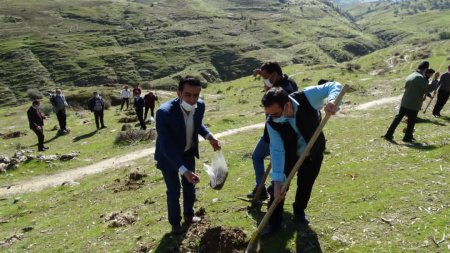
[
  {"x": 133, "y": 136},
  {"x": 34, "y": 93},
  {"x": 46, "y": 109},
  {"x": 444, "y": 35}
]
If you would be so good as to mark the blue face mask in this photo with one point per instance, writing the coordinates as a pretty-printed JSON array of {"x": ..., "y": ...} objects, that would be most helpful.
[{"x": 281, "y": 119}]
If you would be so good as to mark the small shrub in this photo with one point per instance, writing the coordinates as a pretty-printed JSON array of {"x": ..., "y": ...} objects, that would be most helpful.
[
  {"x": 128, "y": 119},
  {"x": 444, "y": 35},
  {"x": 107, "y": 104},
  {"x": 134, "y": 135},
  {"x": 46, "y": 109},
  {"x": 34, "y": 93}
]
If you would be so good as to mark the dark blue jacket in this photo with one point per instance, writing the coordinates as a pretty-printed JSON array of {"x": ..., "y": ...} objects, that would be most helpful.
[{"x": 171, "y": 134}]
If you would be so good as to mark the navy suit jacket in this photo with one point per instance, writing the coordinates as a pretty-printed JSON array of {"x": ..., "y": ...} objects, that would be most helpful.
[{"x": 171, "y": 130}]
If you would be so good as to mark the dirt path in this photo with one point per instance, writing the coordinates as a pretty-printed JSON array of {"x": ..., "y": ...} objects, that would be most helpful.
[
  {"x": 378, "y": 102},
  {"x": 40, "y": 182}
]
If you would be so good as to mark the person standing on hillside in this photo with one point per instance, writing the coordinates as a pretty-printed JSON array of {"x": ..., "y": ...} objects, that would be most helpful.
[
  {"x": 149, "y": 100},
  {"x": 272, "y": 75},
  {"x": 36, "y": 121},
  {"x": 59, "y": 107},
  {"x": 139, "y": 108},
  {"x": 291, "y": 122},
  {"x": 178, "y": 124},
  {"x": 137, "y": 90},
  {"x": 416, "y": 86},
  {"x": 97, "y": 106},
  {"x": 125, "y": 95},
  {"x": 443, "y": 93}
]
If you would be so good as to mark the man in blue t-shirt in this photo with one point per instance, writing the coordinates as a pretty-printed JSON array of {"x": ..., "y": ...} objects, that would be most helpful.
[{"x": 291, "y": 122}]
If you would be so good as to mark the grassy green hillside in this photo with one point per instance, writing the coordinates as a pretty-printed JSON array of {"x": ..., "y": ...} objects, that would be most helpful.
[
  {"x": 84, "y": 43},
  {"x": 410, "y": 22},
  {"x": 371, "y": 195}
]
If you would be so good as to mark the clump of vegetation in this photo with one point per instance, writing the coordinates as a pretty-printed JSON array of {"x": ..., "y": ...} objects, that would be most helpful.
[
  {"x": 34, "y": 93},
  {"x": 352, "y": 66},
  {"x": 128, "y": 119},
  {"x": 133, "y": 136},
  {"x": 46, "y": 109},
  {"x": 444, "y": 35}
]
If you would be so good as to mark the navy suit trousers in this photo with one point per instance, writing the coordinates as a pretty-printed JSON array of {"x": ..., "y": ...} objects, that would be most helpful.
[{"x": 172, "y": 180}]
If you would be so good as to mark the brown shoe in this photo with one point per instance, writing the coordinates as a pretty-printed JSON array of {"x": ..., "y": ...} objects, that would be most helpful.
[
  {"x": 188, "y": 219},
  {"x": 176, "y": 230}
]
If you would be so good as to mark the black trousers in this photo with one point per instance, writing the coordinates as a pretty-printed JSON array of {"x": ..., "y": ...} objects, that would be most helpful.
[
  {"x": 152, "y": 112},
  {"x": 124, "y": 100},
  {"x": 40, "y": 134},
  {"x": 442, "y": 97},
  {"x": 412, "y": 117},
  {"x": 140, "y": 116},
  {"x": 306, "y": 177},
  {"x": 172, "y": 180},
  {"x": 62, "y": 117},
  {"x": 99, "y": 117}
]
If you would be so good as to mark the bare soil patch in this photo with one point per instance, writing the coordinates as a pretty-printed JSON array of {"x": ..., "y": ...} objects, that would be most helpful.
[
  {"x": 202, "y": 237},
  {"x": 11, "y": 135},
  {"x": 119, "y": 219},
  {"x": 134, "y": 181},
  {"x": 9, "y": 241}
]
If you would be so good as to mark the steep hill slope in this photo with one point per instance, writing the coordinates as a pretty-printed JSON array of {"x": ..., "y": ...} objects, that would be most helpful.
[
  {"x": 84, "y": 43},
  {"x": 409, "y": 22}
]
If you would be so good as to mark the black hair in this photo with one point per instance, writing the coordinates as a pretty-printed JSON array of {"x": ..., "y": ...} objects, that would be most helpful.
[
  {"x": 423, "y": 65},
  {"x": 430, "y": 71},
  {"x": 272, "y": 67},
  {"x": 36, "y": 102},
  {"x": 275, "y": 95},
  {"x": 322, "y": 81},
  {"x": 189, "y": 80}
]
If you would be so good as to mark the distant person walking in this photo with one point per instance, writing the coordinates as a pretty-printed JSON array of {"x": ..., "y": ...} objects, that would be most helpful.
[
  {"x": 273, "y": 76},
  {"x": 97, "y": 106},
  {"x": 59, "y": 107},
  {"x": 36, "y": 121},
  {"x": 139, "y": 108},
  {"x": 178, "y": 124},
  {"x": 125, "y": 95},
  {"x": 149, "y": 100},
  {"x": 416, "y": 86},
  {"x": 443, "y": 93}
]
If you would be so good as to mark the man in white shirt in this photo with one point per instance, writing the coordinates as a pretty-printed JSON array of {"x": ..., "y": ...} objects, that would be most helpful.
[
  {"x": 125, "y": 95},
  {"x": 178, "y": 124}
]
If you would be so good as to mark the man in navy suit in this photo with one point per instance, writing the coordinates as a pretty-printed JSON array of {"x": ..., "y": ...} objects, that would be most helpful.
[{"x": 178, "y": 124}]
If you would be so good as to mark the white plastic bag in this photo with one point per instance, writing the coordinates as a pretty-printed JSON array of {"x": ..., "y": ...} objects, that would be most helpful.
[{"x": 218, "y": 171}]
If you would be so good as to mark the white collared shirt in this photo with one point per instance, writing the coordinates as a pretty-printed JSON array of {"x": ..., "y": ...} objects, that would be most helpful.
[{"x": 189, "y": 123}]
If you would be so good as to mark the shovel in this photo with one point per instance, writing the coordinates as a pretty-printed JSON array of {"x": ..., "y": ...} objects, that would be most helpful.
[
  {"x": 261, "y": 186},
  {"x": 253, "y": 243}
]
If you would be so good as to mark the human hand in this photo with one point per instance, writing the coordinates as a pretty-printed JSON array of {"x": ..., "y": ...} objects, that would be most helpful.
[
  {"x": 256, "y": 72},
  {"x": 214, "y": 143},
  {"x": 191, "y": 177},
  {"x": 39, "y": 128},
  {"x": 278, "y": 194},
  {"x": 330, "y": 108}
]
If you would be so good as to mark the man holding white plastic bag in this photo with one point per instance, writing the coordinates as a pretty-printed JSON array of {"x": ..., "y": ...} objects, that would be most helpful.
[{"x": 178, "y": 124}]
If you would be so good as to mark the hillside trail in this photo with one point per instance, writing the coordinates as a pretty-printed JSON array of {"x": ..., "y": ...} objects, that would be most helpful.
[{"x": 41, "y": 182}]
